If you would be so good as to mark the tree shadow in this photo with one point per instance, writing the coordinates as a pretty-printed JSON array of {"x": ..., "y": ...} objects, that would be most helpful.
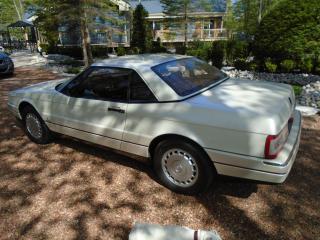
[{"x": 75, "y": 190}]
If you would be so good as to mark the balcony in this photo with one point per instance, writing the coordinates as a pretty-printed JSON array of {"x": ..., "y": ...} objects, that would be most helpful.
[{"x": 193, "y": 34}]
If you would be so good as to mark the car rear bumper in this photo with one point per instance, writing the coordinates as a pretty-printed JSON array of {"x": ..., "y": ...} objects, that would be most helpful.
[{"x": 275, "y": 170}]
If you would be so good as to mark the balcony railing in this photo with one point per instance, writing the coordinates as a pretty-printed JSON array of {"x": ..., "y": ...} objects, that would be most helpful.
[{"x": 194, "y": 34}]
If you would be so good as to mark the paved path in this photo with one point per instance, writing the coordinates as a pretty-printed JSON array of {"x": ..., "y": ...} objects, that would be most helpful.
[{"x": 26, "y": 58}]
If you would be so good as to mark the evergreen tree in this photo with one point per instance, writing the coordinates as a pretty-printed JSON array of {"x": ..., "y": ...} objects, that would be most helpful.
[
  {"x": 140, "y": 30},
  {"x": 183, "y": 9},
  {"x": 248, "y": 14}
]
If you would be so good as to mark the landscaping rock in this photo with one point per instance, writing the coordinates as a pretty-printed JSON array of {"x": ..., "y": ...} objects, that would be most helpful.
[
  {"x": 301, "y": 79},
  {"x": 307, "y": 111}
]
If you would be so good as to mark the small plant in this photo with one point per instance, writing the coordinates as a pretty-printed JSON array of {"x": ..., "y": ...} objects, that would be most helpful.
[
  {"x": 135, "y": 50},
  {"x": 297, "y": 89},
  {"x": 270, "y": 66},
  {"x": 287, "y": 65},
  {"x": 306, "y": 65},
  {"x": 121, "y": 51},
  {"x": 253, "y": 66}
]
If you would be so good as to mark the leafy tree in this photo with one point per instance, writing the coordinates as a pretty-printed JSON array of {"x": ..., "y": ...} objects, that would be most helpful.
[
  {"x": 9, "y": 13},
  {"x": 140, "y": 32},
  {"x": 183, "y": 9},
  {"x": 47, "y": 20},
  {"x": 230, "y": 22},
  {"x": 247, "y": 15},
  {"x": 290, "y": 31}
]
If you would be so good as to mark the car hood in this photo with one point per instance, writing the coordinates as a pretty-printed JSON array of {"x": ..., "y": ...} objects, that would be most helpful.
[
  {"x": 254, "y": 106},
  {"x": 40, "y": 87}
]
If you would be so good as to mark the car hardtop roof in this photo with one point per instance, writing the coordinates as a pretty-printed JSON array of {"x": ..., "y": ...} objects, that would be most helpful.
[{"x": 134, "y": 61}]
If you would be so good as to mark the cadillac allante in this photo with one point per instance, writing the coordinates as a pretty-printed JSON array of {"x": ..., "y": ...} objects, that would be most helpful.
[{"x": 184, "y": 115}]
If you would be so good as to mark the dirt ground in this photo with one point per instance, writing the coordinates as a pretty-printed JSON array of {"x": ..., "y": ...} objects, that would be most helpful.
[{"x": 73, "y": 190}]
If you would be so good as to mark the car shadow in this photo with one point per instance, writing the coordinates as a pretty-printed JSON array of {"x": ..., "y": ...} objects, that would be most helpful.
[{"x": 222, "y": 185}]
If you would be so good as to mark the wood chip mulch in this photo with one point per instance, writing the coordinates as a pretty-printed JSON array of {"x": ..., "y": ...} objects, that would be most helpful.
[{"x": 73, "y": 190}]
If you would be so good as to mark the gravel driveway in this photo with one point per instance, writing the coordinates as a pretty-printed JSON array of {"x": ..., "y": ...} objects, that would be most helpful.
[{"x": 73, "y": 190}]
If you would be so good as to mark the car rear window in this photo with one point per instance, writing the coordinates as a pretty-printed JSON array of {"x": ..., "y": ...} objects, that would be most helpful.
[{"x": 188, "y": 75}]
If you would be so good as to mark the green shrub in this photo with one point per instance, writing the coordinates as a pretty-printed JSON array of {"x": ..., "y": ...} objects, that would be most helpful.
[
  {"x": 73, "y": 70},
  {"x": 99, "y": 51},
  {"x": 287, "y": 65},
  {"x": 317, "y": 69},
  {"x": 181, "y": 49},
  {"x": 44, "y": 47},
  {"x": 253, "y": 66},
  {"x": 48, "y": 48},
  {"x": 306, "y": 65},
  {"x": 200, "y": 50},
  {"x": 156, "y": 47},
  {"x": 72, "y": 51},
  {"x": 270, "y": 66},
  {"x": 236, "y": 49},
  {"x": 217, "y": 53},
  {"x": 72, "y": 62},
  {"x": 289, "y": 31},
  {"x": 121, "y": 51},
  {"x": 135, "y": 50},
  {"x": 240, "y": 64}
]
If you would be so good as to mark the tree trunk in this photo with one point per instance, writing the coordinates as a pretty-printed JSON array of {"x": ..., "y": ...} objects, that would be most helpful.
[
  {"x": 86, "y": 47},
  {"x": 185, "y": 23},
  {"x": 17, "y": 10}
]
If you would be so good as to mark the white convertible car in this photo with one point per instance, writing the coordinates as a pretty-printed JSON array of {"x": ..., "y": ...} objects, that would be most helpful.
[{"x": 188, "y": 117}]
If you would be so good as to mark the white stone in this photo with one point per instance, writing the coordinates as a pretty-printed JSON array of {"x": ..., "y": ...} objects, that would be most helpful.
[
  {"x": 307, "y": 111},
  {"x": 145, "y": 231}
]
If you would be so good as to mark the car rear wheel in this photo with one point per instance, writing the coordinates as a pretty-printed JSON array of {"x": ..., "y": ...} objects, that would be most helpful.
[
  {"x": 183, "y": 167},
  {"x": 35, "y": 127}
]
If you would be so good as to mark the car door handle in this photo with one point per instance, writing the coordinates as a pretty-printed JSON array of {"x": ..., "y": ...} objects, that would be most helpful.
[{"x": 115, "y": 109}]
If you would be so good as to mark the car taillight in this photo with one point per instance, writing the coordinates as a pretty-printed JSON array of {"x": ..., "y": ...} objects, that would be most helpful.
[{"x": 275, "y": 143}]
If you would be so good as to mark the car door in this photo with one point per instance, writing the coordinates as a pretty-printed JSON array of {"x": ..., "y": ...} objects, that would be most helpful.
[
  {"x": 141, "y": 119},
  {"x": 93, "y": 106}
]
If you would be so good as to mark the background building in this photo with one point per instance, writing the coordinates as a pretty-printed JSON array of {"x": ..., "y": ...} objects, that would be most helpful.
[
  {"x": 102, "y": 32},
  {"x": 203, "y": 25}
]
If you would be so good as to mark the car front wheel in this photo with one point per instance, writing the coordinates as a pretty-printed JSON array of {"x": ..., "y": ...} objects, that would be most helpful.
[
  {"x": 183, "y": 167},
  {"x": 35, "y": 127}
]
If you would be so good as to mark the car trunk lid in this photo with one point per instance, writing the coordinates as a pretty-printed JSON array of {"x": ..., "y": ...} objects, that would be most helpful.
[{"x": 264, "y": 107}]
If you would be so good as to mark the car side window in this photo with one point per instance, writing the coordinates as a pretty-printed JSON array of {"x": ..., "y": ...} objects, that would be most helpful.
[
  {"x": 104, "y": 84},
  {"x": 139, "y": 91}
]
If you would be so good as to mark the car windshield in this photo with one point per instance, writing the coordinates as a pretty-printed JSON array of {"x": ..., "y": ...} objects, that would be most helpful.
[{"x": 188, "y": 75}]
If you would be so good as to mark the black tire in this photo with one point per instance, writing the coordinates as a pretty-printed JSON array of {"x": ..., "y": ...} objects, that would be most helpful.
[
  {"x": 45, "y": 135},
  {"x": 205, "y": 168}
]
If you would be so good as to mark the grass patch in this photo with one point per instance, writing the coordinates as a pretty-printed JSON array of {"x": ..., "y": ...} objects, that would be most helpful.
[{"x": 297, "y": 89}]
